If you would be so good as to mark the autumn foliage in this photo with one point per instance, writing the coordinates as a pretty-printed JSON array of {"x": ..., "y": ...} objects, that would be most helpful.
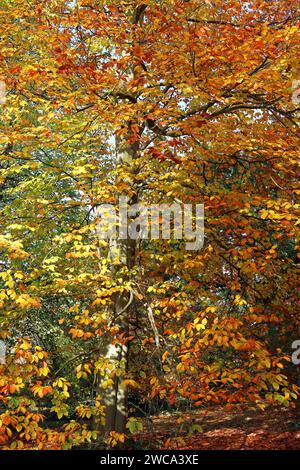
[{"x": 199, "y": 94}]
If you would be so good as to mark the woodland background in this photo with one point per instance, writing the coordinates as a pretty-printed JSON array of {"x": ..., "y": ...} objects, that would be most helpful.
[{"x": 143, "y": 343}]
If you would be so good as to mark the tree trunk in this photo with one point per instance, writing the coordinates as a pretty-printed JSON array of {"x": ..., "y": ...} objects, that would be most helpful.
[
  {"x": 124, "y": 250},
  {"x": 121, "y": 253}
]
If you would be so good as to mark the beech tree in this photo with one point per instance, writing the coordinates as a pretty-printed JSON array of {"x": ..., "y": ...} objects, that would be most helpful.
[{"x": 159, "y": 102}]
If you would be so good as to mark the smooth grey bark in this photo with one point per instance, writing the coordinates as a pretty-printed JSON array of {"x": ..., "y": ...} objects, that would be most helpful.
[{"x": 121, "y": 253}]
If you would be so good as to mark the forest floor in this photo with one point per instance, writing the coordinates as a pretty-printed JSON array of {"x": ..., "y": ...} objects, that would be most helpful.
[{"x": 218, "y": 429}]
